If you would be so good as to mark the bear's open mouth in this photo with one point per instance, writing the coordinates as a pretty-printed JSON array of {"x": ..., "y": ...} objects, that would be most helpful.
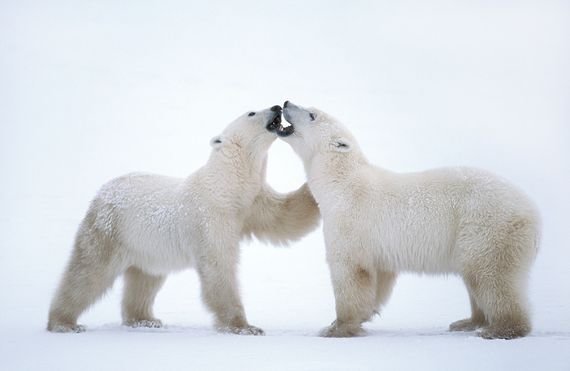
[{"x": 275, "y": 126}]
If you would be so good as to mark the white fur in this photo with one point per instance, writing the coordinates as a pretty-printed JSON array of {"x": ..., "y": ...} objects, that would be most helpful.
[
  {"x": 378, "y": 223},
  {"x": 147, "y": 226}
]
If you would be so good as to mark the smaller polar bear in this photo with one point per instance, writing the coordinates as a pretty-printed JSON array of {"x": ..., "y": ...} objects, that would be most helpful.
[
  {"x": 147, "y": 226},
  {"x": 378, "y": 223}
]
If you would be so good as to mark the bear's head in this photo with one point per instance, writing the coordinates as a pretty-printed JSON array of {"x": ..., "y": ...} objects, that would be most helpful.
[
  {"x": 313, "y": 132},
  {"x": 251, "y": 134}
]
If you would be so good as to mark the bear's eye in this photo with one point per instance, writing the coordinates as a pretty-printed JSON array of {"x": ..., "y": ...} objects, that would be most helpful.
[
  {"x": 251, "y": 114},
  {"x": 312, "y": 116}
]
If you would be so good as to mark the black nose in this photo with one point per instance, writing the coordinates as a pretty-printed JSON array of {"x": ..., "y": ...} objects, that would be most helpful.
[
  {"x": 285, "y": 104},
  {"x": 276, "y": 108}
]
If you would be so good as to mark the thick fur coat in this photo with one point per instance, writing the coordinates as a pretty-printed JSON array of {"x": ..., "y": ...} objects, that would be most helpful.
[
  {"x": 146, "y": 226},
  {"x": 378, "y": 223}
]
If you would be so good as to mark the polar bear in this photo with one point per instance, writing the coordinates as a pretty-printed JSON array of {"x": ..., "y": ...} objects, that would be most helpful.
[
  {"x": 146, "y": 226},
  {"x": 378, "y": 223}
]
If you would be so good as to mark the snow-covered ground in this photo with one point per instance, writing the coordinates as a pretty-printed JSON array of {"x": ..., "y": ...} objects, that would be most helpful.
[{"x": 92, "y": 90}]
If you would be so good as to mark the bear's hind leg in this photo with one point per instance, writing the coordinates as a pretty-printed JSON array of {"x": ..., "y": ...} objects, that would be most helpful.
[
  {"x": 499, "y": 293},
  {"x": 356, "y": 298},
  {"x": 498, "y": 279},
  {"x": 85, "y": 280},
  {"x": 140, "y": 290},
  {"x": 503, "y": 303},
  {"x": 477, "y": 319}
]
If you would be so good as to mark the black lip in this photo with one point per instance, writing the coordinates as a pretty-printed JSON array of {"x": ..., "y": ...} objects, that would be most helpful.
[
  {"x": 275, "y": 126},
  {"x": 285, "y": 132},
  {"x": 275, "y": 123}
]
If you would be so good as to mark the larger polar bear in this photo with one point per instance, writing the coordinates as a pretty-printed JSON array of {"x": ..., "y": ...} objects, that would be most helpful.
[
  {"x": 146, "y": 226},
  {"x": 378, "y": 223}
]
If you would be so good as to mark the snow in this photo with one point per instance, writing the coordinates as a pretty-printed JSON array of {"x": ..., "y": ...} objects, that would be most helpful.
[{"x": 94, "y": 90}]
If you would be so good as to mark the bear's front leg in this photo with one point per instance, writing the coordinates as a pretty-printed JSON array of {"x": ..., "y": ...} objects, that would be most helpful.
[
  {"x": 355, "y": 296},
  {"x": 140, "y": 290},
  {"x": 220, "y": 291}
]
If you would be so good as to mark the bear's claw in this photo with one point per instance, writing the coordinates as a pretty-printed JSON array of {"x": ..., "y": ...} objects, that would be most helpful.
[
  {"x": 63, "y": 328},
  {"x": 247, "y": 330}
]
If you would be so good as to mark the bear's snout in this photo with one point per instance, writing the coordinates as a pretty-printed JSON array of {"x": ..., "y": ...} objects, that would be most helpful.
[
  {"x": 285, "y": 132},
  {"x": 275, "y": 124}
]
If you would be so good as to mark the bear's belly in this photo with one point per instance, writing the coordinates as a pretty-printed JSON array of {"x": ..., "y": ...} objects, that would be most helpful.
[
  {"x": 159, "y": 251},
  {"x": 394, "y": 248},
  {"x": 416, "y": 252},
  {"x": 418, "y": 240},
  {"x": 163, "y": 259},
  {"x": 426, "y": 260}
]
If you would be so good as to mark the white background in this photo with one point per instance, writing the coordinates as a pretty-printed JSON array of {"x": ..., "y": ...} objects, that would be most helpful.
[{"x": 90, "y": 90}]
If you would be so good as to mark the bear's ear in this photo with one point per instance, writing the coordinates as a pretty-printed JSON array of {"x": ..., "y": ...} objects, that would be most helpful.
[
  {"x": 216, "y": 141},
  {"x": 341, "y": 145}
]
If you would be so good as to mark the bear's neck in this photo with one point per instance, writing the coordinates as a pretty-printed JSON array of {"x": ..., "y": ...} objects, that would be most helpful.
[
  {"x": 330, "y": 178},
  {"x": 235, "y": 182}
]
